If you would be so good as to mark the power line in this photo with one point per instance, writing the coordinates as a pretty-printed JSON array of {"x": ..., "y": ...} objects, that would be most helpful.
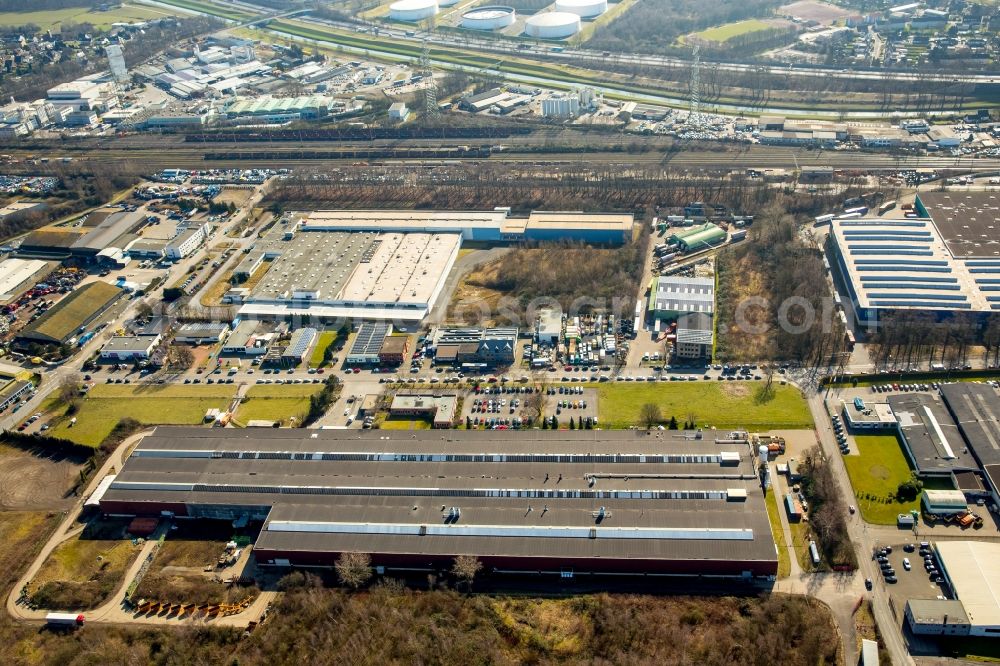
[{"x": 431, "y": 109}]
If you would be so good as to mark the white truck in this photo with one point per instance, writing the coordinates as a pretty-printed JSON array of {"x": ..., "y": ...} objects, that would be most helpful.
[{"x": 64, "y": 619}]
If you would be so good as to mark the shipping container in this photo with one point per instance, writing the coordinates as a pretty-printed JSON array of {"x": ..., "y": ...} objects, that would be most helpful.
[
  {"x": 824, "y": 219},
  {"x": 860, "y": 210},
  {"x": 886, "y": 207}
]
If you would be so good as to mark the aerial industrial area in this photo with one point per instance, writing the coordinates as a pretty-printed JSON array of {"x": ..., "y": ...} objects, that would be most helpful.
[{"x": 457, "y": 332}]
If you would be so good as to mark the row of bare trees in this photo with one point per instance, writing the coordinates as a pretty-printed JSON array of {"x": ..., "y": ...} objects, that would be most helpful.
[
  {"x": 910, "y": 339},
  {"x": 354, "y": 570},
  {"x": 827, "y": 510}
]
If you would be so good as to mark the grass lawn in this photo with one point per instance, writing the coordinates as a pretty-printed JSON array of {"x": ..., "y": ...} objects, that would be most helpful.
[
  {"x": 276, "y": 403},
  {"x": 784, "y": 564},
  {"x": 213, "y": 295},
  {"x": 719, "y": 404},
  {"x": 875, "y": 474},
  {"x": 51, "y": 19},
  {"x": 82, "y": 573},
  {"x": 404, "y": 424},
  {"x": 722, "y": 33},
  {"x": 800, "y": 543},
  {"x": 324, "y": 340},
  {"x": 220, "y": 10},
  {"x": 107, "y": 404}
]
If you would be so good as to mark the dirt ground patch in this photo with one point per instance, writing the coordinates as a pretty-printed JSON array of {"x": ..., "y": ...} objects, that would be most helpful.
[
  {"x": 29, "y": 481},
  {"x": 83, "y": 572},
  {"x": 739, "y": 282},
  {"x": 234, "y": 195},
  {"x": 734, "y": 390},
  {"x": 178, "y": 575},
  {"x": 471, "y": 300},
  {"x": 810, "y": 10}
]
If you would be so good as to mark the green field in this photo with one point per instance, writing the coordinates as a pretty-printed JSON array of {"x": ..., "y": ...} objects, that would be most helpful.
[
  {"x": 404, "y": 424},
  {"x": 276, "y": 403},
  {"x": 220, "y": 10},
  {"x": 107, "y": 404},
  {"x": 52, "y": 19},
  {"x": 723, "y": 33},
  {"x": 784, "y": 564},
  {"x": 324, "y": 340},
  {"x": 723, "y": 405},
  {"x": 876, "y": 472}
]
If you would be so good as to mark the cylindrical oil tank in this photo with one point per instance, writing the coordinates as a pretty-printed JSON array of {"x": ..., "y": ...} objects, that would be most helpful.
[
  {"x": 582, "y": 8},
  {"x": 490, "y": 17},
  {"x": 552, "y": 25},
  {"x": 413, "y": 10}
]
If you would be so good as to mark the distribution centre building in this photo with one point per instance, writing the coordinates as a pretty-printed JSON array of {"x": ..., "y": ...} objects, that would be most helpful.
[
  {"x": 559, "y": 502},
  {"x": 497, "y": 225},
  {"x": 946, "y": 261}
]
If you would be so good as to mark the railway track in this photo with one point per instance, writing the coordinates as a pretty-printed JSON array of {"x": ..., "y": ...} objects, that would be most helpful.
[{"x": 282, "y": 156}]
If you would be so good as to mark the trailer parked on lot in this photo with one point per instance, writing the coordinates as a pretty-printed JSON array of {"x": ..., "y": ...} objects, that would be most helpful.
[{"x": 64, "y": 619}]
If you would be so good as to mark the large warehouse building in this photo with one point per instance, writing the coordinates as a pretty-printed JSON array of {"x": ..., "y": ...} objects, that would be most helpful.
[
  {"x": 488, "y": 226},
  {"x": 71, "y": 316},
  {"x": 559, "y": 502},
  {"x": 942, "y": 263},
  {"x": 334, "y": 266},
  {"x": 328, "y": 277}
]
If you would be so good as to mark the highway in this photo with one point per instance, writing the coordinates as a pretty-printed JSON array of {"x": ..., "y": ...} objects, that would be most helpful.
[
  {"x": 595, "y": 60},
  {"x": 576, "y": 55}
]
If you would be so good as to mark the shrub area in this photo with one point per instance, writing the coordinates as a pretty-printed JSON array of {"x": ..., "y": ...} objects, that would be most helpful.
[{"x": 388, "y": 624}]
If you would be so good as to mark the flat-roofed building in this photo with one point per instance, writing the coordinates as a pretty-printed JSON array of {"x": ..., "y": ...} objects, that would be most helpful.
[
  {"x": 130, "y": 348},
  {"x": 891, "y": 265},
  {"x": 244, "y": 340},
  {"x": 930, "y": 437},
  {"x": 975, "y": 409},
  {"x": 200, "y": 333},
  {"x": 694, "y": 335},
  {"x": 937, "y": 617},
  {"x": 480, "y": 346},
  {"x": 394, "y": 349},
  {"x": 19, "y": 275},
  {"x": 438, "y": 409},
  {"x": 872, "y": 416},
  {"x": 494, "y": 226},
  {"x": 972, "y": 571},
  {"x": 298, "y": 347},
  {"x": 691, "y": 508},
  {"x": 368, "y": 342},
  {"x": 672, "y": 296},
  {"x": 13, "y": 390}
]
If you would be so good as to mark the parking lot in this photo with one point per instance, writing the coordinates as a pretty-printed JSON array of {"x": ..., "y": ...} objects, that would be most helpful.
[
  {"x": 916, "y": 583},
  {"x": 507, "y": 405}
]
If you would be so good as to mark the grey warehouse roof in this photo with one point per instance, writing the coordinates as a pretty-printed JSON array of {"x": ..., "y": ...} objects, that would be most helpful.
[{"x": 372, "y": 491}]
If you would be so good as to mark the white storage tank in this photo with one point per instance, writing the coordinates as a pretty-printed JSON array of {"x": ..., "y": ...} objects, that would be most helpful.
[
  {"x": 552, "y": 25},
  {"x": 582, "y": 8},
  {"x": 491, "y": 17},
  {"x": 447, "y": 3},
  {"x": 413, "y": 10}
]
